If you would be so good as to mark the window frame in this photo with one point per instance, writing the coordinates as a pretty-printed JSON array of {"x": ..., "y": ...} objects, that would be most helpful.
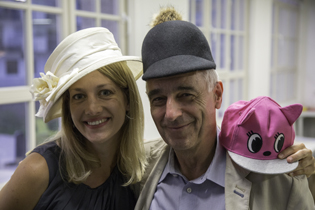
[{"x": 225, "y": 74}]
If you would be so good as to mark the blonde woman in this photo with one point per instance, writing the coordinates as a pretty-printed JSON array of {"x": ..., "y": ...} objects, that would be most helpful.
[{"x": 97, "y": 157}]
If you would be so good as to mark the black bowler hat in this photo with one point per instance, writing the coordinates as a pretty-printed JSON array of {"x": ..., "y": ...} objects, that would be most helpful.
[{"x": 175, "y": 47}]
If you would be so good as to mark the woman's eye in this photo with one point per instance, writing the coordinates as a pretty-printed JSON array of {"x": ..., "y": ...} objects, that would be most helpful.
[
  {"x": 78, "y": 96},
  {"x": 106, "y": 92}
]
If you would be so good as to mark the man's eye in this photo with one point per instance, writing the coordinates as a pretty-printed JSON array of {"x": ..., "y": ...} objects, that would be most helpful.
[
  {"x": 78, "y": 96},
  {"x": 185, "y": 95},
  {"x": 106, "y": 92},
  {"x": 157, "y": 101}
]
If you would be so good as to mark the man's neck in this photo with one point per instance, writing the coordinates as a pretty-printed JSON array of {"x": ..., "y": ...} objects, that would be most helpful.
[{"x": 193, "y": 164}]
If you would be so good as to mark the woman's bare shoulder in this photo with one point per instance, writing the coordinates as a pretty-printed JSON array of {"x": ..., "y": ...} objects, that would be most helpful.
[{"x": 27, "y": 184}]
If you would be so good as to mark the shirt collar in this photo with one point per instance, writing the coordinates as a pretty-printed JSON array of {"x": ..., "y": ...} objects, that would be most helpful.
[
  {"x": 214, "y": 173},
  {"x": 170, "y": 167}
]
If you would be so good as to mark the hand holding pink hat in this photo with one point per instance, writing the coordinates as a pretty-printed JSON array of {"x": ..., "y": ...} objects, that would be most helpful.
[{"x": 255, "y": 131}]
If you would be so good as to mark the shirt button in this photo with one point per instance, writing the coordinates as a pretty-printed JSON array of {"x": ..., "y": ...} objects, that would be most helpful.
[
  {"x": 175, "y": 175},
  {"x": 188, "y": 190}
]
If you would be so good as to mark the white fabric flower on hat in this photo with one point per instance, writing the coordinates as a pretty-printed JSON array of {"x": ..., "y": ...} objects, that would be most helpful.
[{"x": 42, "y": 87}]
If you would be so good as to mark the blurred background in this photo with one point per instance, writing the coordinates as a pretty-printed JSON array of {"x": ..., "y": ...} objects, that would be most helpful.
[{"x": 260, "y": 48}]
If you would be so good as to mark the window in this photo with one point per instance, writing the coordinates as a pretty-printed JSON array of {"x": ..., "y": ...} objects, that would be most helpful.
[
  {"x": 29, "y": 32},
  {"x": 12, "y": 67},
  {"x": 105, "y": 13},
  {"x": 12, "y": 54},
  {"x": 224, "y": 24},
  {"x": 12, "y": 138},
  {"x": 284, "y": 56}
]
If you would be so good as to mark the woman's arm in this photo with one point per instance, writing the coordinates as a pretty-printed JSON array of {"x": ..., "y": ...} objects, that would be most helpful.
[{"x": 26, "y": 185}]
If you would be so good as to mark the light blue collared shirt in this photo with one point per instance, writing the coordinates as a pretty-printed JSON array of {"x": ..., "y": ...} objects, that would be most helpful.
[{"x": 174, "y": 191}]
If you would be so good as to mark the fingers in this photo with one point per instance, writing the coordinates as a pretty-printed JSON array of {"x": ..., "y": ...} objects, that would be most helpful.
[
  {"x": 308, "y": 171},
  {"x": 304, "y": 155},
  {"x": 298, "y": 151}
]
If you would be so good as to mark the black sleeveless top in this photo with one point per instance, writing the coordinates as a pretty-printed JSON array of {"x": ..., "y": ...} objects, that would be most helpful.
[{"x": 63, "y": 195}]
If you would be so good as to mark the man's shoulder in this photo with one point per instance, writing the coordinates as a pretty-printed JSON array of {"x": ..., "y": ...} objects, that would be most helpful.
[
  {"x": 156, "y": 141},
  {"x": 154, "y": 146},
  {"x": 154, "y": 149}
]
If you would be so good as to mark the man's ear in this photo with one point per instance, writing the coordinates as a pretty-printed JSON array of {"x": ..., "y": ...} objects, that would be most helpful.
[{"x": 218, "y": 91}]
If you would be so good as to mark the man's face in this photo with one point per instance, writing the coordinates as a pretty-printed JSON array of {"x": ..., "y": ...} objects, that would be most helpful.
[{"x": 184, "y": 110}]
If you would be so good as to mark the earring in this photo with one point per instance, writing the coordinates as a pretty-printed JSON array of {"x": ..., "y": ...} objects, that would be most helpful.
[{"x": 127, "y": 116}]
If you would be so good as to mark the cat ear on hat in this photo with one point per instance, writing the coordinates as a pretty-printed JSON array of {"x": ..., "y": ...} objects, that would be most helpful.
[
  {"x": 292, "y": 112},
  {"x": 247, "y": 117}
]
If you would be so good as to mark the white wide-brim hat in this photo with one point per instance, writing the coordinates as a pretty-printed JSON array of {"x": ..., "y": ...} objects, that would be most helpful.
[{"x": 76, "y": 56}]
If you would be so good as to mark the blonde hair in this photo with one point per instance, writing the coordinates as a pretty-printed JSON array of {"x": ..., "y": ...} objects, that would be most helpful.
[{"x": 131, "y": 157}]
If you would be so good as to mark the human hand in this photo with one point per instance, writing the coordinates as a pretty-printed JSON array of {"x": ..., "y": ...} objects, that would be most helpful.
[{"x": 298, "y": 152}]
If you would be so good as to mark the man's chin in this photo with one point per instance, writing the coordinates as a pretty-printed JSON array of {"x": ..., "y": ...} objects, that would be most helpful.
[{"x": 177, "y": 142}]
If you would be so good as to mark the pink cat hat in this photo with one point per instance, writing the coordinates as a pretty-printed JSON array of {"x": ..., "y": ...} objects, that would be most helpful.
[{"x": 255, "y": 131}]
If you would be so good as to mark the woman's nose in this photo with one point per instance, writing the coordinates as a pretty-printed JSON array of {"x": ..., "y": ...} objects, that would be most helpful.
[{"x": 93, "y": 106}]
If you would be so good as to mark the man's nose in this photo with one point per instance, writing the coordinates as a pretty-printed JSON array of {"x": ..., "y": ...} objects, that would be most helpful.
[{"x": 173, "y": 110}]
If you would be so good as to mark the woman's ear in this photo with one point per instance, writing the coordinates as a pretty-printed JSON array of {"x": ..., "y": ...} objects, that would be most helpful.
[
  {"x": 127, "y": 99},
  {"x": 218, "y": 91}
]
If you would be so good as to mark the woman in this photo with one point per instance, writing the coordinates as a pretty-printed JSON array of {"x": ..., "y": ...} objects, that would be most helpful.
[{"x": 97, "y": 157}]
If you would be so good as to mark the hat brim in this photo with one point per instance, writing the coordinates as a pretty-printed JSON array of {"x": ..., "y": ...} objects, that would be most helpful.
[
  {"x": 53, "y": 109},
  {"x": 275, "y": 166},
  {"x": 178, "y": 64}
]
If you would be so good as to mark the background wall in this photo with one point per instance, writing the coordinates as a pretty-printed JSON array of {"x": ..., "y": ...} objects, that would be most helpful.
[
  {"x": 260, "y": 19},
  {"x": 307, "y": 68}
]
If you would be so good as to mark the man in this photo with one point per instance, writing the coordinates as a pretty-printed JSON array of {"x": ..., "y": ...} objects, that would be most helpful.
[{"x": 190, "y": 169}]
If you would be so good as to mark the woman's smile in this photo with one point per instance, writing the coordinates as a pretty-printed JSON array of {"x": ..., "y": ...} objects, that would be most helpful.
[
  {"x": 96, "y": 123},
  {"x": 97, "y": 107}
]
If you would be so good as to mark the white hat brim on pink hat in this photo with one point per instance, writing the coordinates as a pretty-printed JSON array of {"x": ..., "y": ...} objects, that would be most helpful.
[{"x": 275, "y": 166}]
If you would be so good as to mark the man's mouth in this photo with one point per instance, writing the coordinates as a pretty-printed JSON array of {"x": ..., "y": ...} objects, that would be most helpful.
[{"x": 177, "y": 127}]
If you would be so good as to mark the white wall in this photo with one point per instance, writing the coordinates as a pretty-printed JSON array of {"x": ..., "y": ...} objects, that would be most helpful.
[
  {"x": 307, "y": 55},
  {"x": 260, "y": 26},
  {"x": 141, "y": 13},
  {"x": 307, "y": 64}
]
